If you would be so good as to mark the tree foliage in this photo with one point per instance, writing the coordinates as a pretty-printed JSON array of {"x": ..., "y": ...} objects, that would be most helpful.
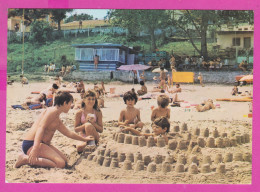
[
  {"x": 76, "y": 17},
  {"x": 30, "y": 15},
  {"x": 58, "y": 15},
  {"x": 200, "y": 20},
  {"x": 136, "y": 21},
  {"x": 41, "y": 32}
]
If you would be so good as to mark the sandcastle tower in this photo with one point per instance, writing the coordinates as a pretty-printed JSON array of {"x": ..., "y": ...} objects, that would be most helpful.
[
  {"x": 201, "y": 142},
  {"x": 158, "y": 159},
  {"x": 228, "y": 157},
  {"x": 90, "y": 157},
  {"x": 128, "y": 139},
  {"x": 242, "y": 139},
  {"x": 205, "y": 168},
  {"x": 150, "y": 141},
  {"x": 114, "y": 163},
  {"x": 127, "y": 165},
  {"x": 130, "y": 157},
  {"x": 100, "y": 159},
  {"x": 226, "y": 142},
  {"x": 107, "y": 153},
  {"x": 135, "y": 140},
  {"x": 238, "y": 157},
  {"x": 179, "y": 168},
  {"x": 193, "y": 168},
  {"x": 219, "y": 142},
  {"x": 184, "y": 127},
  {"x": 102, "y": 151},
  {"x": 182, "y": 145},
  {"x": 166, "y": 167},
  {"x": 233, "y": 142},
  {"x": 121, "y": 138},
  {"x": 215, "y": 133},
  {"x": 172, "y": 144},
  {"x": 206, "y": 132},
  {"x": 196, "y": 132},
  {"x": 176, "y": 128},
  {"x": 147, "y": 159},
  {"x": 113, "y": 154},
  {"x": 181, "y": 159},
  {"x": 223, "y": 135},
  {"x": 193, "y": 159},
  {"x": 187, "y": 136},
  {"x": 247, "y": 157},
  {"x": 142, "y": 141},
  {"x": 151, "y": 167},
  {"x": 238, "y": 138},
  {"x": 107, "y": 162},
  {"x": 210, "y": 142},
  {"x": 121, "y": 157},
  {"x": 218, "y": 158},
  {"x": 221, "y": 168},
  {"x": 138, "y": 156},
  {"x": 160, "y": 141},
  {"x": 169, "y": 159},
  {"x": 207, "y": 160},
  {"x": 139, "y": 165},
  {"x": 247, "y": 138}
]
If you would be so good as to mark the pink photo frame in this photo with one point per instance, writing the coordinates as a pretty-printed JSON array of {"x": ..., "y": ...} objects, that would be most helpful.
[{"x": 133, "y": 4}]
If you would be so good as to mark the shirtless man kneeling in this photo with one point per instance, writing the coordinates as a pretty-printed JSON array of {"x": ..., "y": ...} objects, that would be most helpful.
[{"x": 37, "y": 146}]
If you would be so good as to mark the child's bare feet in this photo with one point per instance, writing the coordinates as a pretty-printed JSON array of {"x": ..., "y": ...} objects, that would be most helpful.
[{"x": 22, "y": 160}]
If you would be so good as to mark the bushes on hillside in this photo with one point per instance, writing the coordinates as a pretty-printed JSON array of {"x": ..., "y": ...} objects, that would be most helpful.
[{"x": 41, "y": 32}]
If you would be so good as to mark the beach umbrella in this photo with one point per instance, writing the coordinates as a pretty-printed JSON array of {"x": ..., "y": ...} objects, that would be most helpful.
[
  {"x": 247, "y": 78},
  {"x": 158, "y": 70},
  {"x": 133, "y": 67}
]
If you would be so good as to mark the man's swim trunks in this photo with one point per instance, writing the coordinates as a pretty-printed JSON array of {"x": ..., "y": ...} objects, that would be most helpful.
[{"x": 27, "y": 144}]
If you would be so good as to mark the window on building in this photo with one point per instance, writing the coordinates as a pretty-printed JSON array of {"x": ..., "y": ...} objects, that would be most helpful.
[
  {"x": 86, "y": 54},
  {"x": 107, "y": 54},
  {"x": 236, "y": 42},
  {"x": 122, "y": 56},
  {"x": 77, "y": 54},
  {"x": 247, "y": 42}
]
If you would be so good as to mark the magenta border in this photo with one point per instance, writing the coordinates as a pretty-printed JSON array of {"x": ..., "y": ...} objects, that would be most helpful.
[{"x": 133, "y": 4}]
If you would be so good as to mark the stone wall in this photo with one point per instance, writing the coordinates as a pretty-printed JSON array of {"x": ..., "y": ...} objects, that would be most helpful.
[{"x": 218, "y": 77}]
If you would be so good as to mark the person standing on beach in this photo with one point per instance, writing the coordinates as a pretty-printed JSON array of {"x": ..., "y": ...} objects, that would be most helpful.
[
  {"x": 37, "y": 146},
  {"x": 96, "y": 60},
  {"x": 200, "y": 78}
]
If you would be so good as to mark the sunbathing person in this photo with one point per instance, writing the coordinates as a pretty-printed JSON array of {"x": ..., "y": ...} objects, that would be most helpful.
[
  {"x": 176, "y": 90},
  {"x": 234, "y": 90},
  {"x": 80, "y": 86},
  {"x": 37, "y": 146},
  {"x": 160, "y": 126},
  {"x": 207, "y": 105},
  {"x": 50, "y": 93},
  {"x": 130, "y": 116},
  {"x": 143, "y": 89},
  {"x": 36, "y": 102},
  {"x": 78, "y": 102},
  {"x": 161, "y": 110},
  {"x": 88, "y": 120},
  {"x": 9, "y": 81}
]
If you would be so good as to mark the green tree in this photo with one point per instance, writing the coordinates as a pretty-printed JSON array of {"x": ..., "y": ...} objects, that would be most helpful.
[
  {"x": 199, "y": 20},
  {"x": 58, "y": 15},
  {"x": 30, "y": 15},
  {"x": 41, "y": 32},
  {"x": 76, "y": 17},
  {"x": 139, "y": 20}
]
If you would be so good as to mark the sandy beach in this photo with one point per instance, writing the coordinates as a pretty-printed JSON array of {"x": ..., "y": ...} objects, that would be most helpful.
[{"x": 228, "y": 119}]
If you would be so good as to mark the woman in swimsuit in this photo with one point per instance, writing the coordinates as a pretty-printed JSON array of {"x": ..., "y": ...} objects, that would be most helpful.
[{"x": 88, "y": 120}]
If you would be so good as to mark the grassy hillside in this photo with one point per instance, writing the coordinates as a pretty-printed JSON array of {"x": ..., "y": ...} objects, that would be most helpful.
[{"x": 36, "y": 56}]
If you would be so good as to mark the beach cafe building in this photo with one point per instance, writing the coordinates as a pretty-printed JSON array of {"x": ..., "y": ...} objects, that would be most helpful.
[{"x": 111, "y": 56}]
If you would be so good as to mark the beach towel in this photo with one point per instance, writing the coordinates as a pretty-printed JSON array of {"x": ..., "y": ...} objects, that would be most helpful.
[
  {"x": 35, "y": 92},
  {"x": 49, "y": 102},
  {"x": 32, "y": 107},
  {"x": 243, "y": 99}
]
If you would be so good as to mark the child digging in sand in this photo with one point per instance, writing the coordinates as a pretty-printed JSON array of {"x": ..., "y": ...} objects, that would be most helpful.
[
  {"x": 161, "y": 110},
  {"x": 88, "y": 120},
  {"x": 130, "y": 116},
  {"x": 160, "y": 126},
  {"x": 37, "y": 146}
]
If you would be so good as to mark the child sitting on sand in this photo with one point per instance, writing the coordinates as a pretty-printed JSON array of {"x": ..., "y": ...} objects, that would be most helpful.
[
  {"x": 37, "y": 146},
  {"x": 207, "y": 105},
  {"x": 160, "y": 126},
  {"x": 80, "y": 86},
  {"x": 143, "y": 89},
  {"x": 101, "y": 102},
  {"x": 130, "y": 116},
  {"x": 88, "y": 120},
  {"x": 161, "y": 110},
  {"x": 24, "y": 80}
]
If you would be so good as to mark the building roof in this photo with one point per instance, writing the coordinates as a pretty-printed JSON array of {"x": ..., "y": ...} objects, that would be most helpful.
[
  {"x": 101, "y": 45},
  {"x": 239, "y": 28}
]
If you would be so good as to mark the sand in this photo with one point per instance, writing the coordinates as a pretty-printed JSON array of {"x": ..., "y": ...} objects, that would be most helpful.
[{"x": 228, "y": 118}]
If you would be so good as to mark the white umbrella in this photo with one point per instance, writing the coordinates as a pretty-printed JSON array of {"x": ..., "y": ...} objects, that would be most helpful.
[{"x": 158, "y": 70}]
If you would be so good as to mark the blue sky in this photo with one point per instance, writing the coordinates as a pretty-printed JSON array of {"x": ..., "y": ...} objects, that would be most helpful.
[{"x": 97, "y": 13}]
